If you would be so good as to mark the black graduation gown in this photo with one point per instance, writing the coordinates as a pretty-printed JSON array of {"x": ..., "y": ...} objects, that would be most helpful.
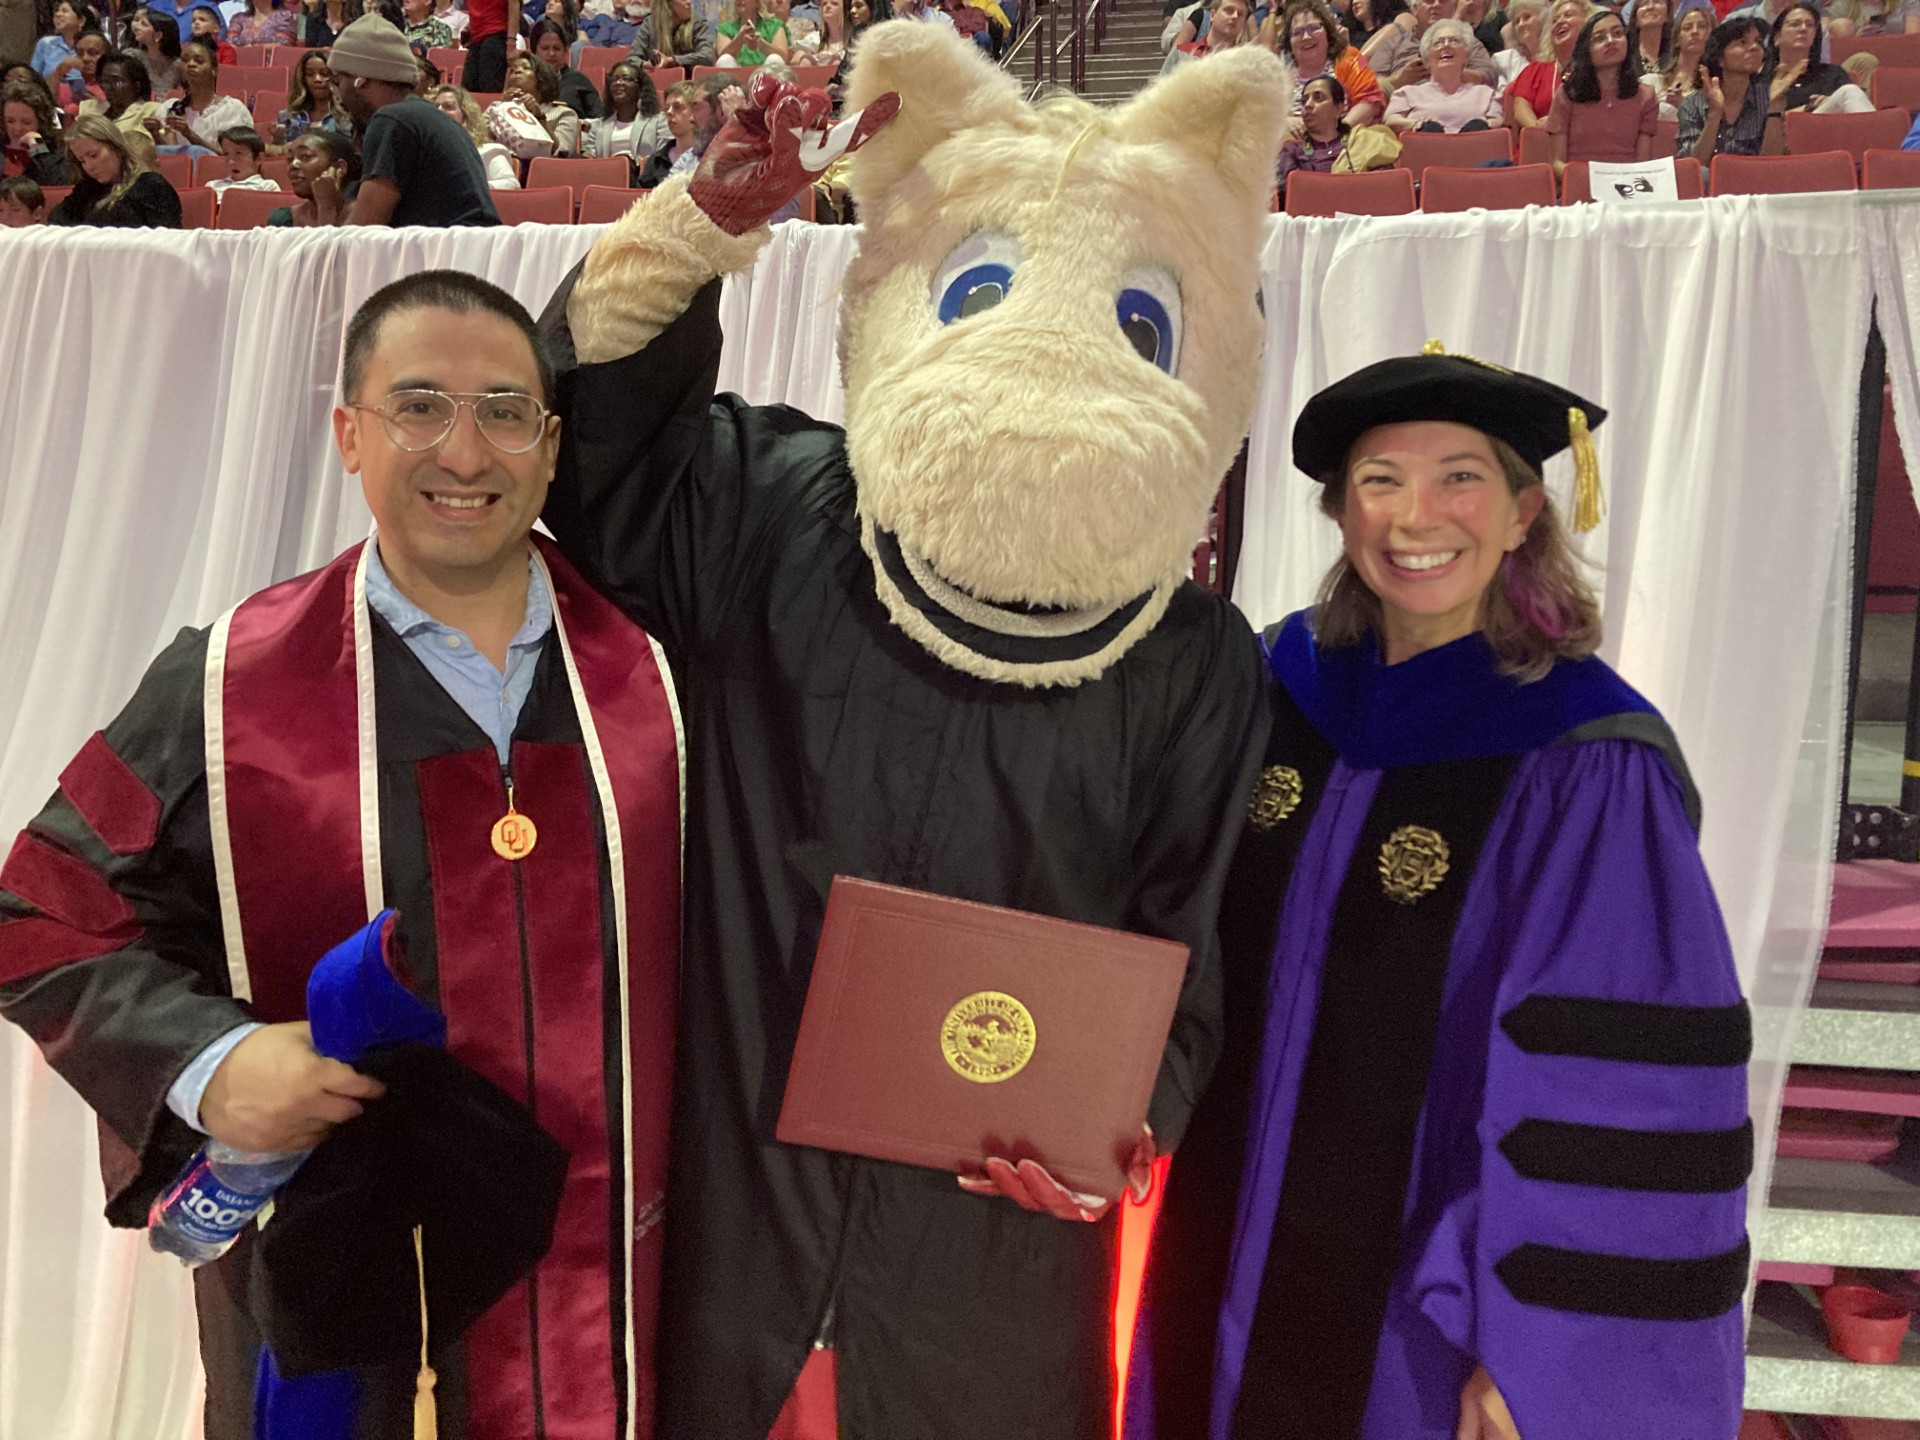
[
  {"x": 822, "y": 740},
  {"x": 120, "y": 1026}
]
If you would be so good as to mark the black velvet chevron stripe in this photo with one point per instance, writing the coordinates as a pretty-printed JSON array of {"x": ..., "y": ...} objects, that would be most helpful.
[
  {"x": 1631, "y": 1030},
  {"x": 1677, "y": 1162},
  {"x": 1622, "y": 1286}
]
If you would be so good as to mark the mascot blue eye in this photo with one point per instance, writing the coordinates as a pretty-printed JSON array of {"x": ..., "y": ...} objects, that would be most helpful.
[
  {"x": 1148, "y": 328},
  {"x": 973, "y": 290}
]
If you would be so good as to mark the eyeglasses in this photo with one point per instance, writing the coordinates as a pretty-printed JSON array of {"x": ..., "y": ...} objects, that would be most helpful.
[{"x": 417, "y": 420}]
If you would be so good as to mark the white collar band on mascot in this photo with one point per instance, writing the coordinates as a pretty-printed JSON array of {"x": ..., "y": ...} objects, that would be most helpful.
[{"x": 1030, "y": 486}]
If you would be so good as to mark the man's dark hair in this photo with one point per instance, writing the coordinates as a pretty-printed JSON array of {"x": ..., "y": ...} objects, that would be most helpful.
[
  {"x": 1583, "y": 81},
  {"x": 25, "y": 190},
  {"x": 1731, "y": 32},
  {"x": 244, "y": 135},
  {"x": 453, "y": 290}
]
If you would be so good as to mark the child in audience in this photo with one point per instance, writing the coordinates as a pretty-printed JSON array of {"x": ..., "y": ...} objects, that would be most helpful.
[
  {"x": 205, "y": 23},
  {"x": 241, "y": 147},
  {"x": 22, "y": 203}
]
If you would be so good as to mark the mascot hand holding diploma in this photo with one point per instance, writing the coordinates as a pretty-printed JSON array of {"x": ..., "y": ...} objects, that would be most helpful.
[{"x": 951, "y": 648}]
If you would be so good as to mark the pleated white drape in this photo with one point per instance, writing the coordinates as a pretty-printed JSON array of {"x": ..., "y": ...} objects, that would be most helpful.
[{"x": 164, "y": 403}]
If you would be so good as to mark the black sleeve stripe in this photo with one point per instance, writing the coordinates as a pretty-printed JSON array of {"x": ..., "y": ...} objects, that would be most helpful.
[
  {"x": 1631, "y": 1030},
  {"x": 1622, "y": 1286},
  {"x": 1677, "y": 1162}
]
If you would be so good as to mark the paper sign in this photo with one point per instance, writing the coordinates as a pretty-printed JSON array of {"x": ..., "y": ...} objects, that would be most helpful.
[{"x": 1633, "y": 183}]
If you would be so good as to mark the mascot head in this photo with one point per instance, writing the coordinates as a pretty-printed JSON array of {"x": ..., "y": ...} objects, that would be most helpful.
[{"x": 1050, "y": 340}]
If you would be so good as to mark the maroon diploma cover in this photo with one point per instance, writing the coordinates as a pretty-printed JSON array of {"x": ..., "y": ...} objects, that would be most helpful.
[{"x": 939, "y": 1032}]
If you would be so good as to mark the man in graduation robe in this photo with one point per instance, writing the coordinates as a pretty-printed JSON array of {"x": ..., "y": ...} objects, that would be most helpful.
[
  {"x": 1478, "y": 1142},
  {"x": 952, "y": 648},
  {"x": 446, "y": 721}
]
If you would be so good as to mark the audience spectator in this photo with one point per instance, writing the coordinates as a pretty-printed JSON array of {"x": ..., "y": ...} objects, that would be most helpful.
[
  {"x": 486, "y": 68},
  {"x": 205, "y": 22},
  {"x": 1323, "y": 130},
  {"x": 318, "y": 158},
  {"x": 117, "y": 184},
  {"x": 1802, "y": 78},
  {"x": 310, "y": 101},
  {"x": 424, "y": 27},
  {"x": 322, "y": 20},
  {"x": 1650, "y": 23},
  {"x": 451, "y": 16},
  {"x": 1860, "y": 67},
  {"x": 576, "y": 91},
  {"x": 631, "y": 123},
  {"x": 930, "y": 11},
  {"x": 88, "y": 51},
  {"x": 503, "y": 172},
  {"x": 1364, "y": 19},
  {"x": 426, "y": 74},
  {"x": 1912, "y": 142},
  {"x": 1602, "y": 112},
  {"x": 242, "y": 147},
  {"x": 834, "y": 35},
  {"x": 1729, "y": 114},
  {"x": 688, "y": 38},
  {"x": 196, "y": 119},
  {"x": 157, "y": 38},
  {"x": 1306, "y": 32},
  {"x": 419, "y": 167},
  {"x": 748, "y": 34},
  {"x": 1680, "y": 76},
  {"x": 691, "y": 121},
  {"x": 803, "y": 34},
  {"x": 1228, "y": 23},
  {"x": 265, "y": 23},
  {"x": 1448, "y": 101},
  {"x": 1872, "y": 17},
  {"x": 55, "y": 57},
  {"x": 1525, "y": 39},
  {"x": 1395, "y": 53},
  {"x": 33, "y": 144},
  {"x": 1530, "y": 96},
  {"x": 19, "y": 29},
  {"x": 127, "y": 95},
  {"x": 617, "y": 26},
  {"x": 537, "y": 85},
  {"x": 22, "y": 203},
  {"x": 1485, "y": 22}
]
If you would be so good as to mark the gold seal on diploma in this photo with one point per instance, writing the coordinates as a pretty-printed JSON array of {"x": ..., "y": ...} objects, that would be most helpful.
[
  {"x": 987, "y": 1037},
  {"x": 1413, "y": 862}
]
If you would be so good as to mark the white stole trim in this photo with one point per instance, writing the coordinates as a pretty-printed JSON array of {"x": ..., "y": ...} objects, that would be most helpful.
[{"x": 214, "y": 731}]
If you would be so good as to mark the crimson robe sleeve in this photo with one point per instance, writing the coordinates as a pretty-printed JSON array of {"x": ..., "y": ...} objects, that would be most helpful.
[
  {"x": 111, "y": 955},
  {"x": 1598, "y": 1269}
]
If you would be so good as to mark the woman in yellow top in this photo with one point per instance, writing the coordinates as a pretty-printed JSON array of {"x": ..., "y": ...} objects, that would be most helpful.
[{"x": 748, "y": 35}]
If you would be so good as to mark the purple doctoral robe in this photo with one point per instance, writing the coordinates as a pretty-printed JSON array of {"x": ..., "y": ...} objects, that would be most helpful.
[{"x": 1491, "y": 1086}]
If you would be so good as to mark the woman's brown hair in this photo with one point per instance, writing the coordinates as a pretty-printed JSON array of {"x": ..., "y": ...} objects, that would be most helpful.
[
  {"x": 133, "y": 147},
  {"x": 1538, "y": 609},
  {"x": 1274, "y": 29}
]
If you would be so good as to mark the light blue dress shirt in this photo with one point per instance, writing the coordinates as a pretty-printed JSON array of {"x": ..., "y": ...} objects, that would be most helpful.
[{"x": 492, "y": 700}]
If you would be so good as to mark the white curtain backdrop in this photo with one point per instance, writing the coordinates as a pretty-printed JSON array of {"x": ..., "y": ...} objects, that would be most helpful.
[{"x": 165, "y": 398}]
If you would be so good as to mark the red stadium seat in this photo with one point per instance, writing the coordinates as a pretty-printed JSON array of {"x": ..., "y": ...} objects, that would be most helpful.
[
  {"x": 596, "y": 75},
  {"x": 484, "y": 98},
  {"x": 1666, "y": 138},
  {"x": 605, "y": 56},
  {"x": 1471, "y": 147},
  {"x": 1897, "y": 87},
  {"x": 1376, "y": 192},
  {"x": 248, "y": 209},
  {"x": 55, "y": 194},
  {"x": 603, "y": 204},
  {"x": 1534, "y": 146},
  {"x": 209, "y": 167},
  {"x": 249, "y": 80},
  {"x": 575, "y": 175},
  {"x": 742, "y": 73},
  {"x": 266, "y": 114},
  {"x": 663, "y": 77},
  {"x": 1511, "y": 187},
  {"x": 450, "y": 62},
  {"x": 1899, "y": 50},
  {"x": 1855, "y": 134},
  {"x": 814, "y": 77},
  {"x": 534, "y": 207},
  {"x": 196, "y": 209},
  {"x": 274, "y": 167},
  {"x": 1781, "y": 174},
  {"x": 177, "y": 170},
  {"x": 1576, "y": 185},
  {"x": 1891, "y": 170}
]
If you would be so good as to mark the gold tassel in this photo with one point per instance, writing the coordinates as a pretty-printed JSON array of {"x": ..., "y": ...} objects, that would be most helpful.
[
  {"x": 1588, "y": 502},
  {"x": 426, "y": 1414},
  {"x": 1433, "y": 347}
]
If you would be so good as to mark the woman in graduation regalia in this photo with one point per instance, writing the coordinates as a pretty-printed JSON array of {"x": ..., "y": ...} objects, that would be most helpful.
[{"x": 1480, "y": 1140}]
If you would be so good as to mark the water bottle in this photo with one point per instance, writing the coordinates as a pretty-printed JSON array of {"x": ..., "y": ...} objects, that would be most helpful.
[{"x": 200, "y": 1215}]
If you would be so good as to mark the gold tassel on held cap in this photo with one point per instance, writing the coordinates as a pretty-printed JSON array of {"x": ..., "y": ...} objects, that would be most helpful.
[
  {"x": 1588, "y": 503},
  {"x": 426, "y": 1413}
]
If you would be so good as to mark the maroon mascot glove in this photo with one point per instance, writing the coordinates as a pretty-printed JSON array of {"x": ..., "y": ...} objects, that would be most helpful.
[{"x": 773, "y": 147}]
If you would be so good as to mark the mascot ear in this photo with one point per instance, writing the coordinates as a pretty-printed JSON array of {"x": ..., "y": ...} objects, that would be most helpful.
[
  {"x": 1228, "y": 110},
  {"x": 945, "y": 85}
]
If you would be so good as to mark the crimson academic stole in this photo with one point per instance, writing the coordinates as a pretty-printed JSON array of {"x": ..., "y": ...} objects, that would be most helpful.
[{"x": 293, "y": 796}]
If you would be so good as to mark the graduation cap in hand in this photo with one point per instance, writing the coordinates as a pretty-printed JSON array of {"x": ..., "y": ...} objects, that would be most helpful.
[
  {"x": 1536, "y": 417},
  {"x": 336, "y": 1279}
]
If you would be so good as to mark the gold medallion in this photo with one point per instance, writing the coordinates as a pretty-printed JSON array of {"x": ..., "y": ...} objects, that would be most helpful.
[
  {"x": 1276, "y": 795},
  {"x": 514, "y": 835},
  {"x": 987, "y": 1037},
  {"x": 1413, "y": 862}
]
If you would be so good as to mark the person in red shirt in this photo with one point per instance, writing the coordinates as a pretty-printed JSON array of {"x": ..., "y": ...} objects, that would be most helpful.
[{"x": 486, "y": 70}]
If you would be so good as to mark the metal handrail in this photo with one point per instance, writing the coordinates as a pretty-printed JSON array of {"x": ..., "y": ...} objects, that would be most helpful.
[{"x": 1074, "y": 46}]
